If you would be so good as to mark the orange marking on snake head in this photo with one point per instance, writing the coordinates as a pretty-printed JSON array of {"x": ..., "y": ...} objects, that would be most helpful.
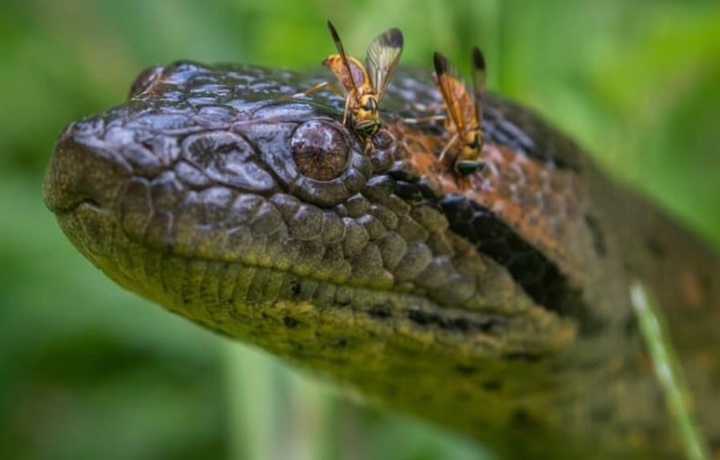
[{"x": 532, "y": 197}]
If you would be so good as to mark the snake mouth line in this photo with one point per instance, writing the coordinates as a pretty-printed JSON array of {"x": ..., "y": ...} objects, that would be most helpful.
[
  {"x": 488, "y": 329},
  {"x": 90, "y": 204}
]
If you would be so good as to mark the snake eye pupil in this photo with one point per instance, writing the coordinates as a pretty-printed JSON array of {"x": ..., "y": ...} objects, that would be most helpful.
[{"x": 320, "y": 151}]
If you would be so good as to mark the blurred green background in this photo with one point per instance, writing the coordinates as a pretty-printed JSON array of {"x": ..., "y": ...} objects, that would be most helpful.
[{"x": 88, "y": 371}]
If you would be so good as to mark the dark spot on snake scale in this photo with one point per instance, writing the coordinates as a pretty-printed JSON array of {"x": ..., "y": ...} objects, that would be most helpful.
[
  {"x": 290, "y": 322},
  {"x": 380, "y": 312},
  {"x": 597, "y": 235},
  {"x": 487, "y": 325},
  {"x": 408, "y": 191},
  {"x": 295, "y": 287},
  {"x": 418, "y": 317},
  {"x": 460, "y": 324}
]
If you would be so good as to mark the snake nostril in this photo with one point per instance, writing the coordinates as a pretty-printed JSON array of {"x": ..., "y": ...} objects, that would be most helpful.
[{"x": 79, "y": 175}]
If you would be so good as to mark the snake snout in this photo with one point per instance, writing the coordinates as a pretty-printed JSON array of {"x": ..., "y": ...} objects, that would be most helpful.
[{"x": 81, "y": 174}]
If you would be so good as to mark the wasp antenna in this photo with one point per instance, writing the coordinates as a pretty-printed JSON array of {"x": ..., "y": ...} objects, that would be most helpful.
[
  {"x": 341, "y": 52},
  {"x": 478, "y": 59},
  {"x": 392, "y": 38},
  {"x": 335, "y": 37},
  {"x": 442, "y": 66}
]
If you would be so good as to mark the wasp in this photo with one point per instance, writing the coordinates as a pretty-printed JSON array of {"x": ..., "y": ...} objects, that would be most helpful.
[
  {"x": 464, "y": 112},
  {"x": 364, "y": 85}
]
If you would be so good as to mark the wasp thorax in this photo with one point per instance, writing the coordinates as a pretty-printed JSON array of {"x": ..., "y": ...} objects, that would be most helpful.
[
  {"x": 471, "y": 151},
  {"x": 367, "y": 109}
]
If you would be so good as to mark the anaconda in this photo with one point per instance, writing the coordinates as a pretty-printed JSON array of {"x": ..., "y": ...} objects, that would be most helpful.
[{"x": 497, "y": 305}]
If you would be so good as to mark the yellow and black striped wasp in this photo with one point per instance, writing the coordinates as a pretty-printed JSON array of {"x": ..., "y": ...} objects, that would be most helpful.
[
  {"x": 364, "y": 85},
  {"x": 463, "y": 121}
]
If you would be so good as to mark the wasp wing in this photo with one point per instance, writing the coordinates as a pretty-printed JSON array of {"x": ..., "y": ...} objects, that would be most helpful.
[
  {"x": 460, "y": 106},
  {"x": 382, "y": 59},
  {"x": 479, "y": 76}
]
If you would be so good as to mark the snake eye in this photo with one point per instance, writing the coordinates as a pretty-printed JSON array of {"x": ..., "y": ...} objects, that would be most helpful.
[{"x": 320, "y": 151}]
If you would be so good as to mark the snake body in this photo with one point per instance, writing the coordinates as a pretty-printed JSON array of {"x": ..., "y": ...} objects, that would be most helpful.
[{"x": 496, "y": 304}]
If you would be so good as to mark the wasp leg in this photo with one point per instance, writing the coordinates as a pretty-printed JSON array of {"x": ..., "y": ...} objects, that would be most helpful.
[
  {"x": 318, "y": 87},
  {"x": 345, "y": 110},
  {"x": 415, "y": 121},
  {"x": 323, "y": 85},
  {"x": 369, "y": 146},
  {"x": 427, "y": 107},
  {"x": 452, "y": 140}
]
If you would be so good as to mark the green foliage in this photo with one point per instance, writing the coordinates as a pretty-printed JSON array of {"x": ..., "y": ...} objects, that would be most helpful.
[{"x": 88, "y": 371}]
